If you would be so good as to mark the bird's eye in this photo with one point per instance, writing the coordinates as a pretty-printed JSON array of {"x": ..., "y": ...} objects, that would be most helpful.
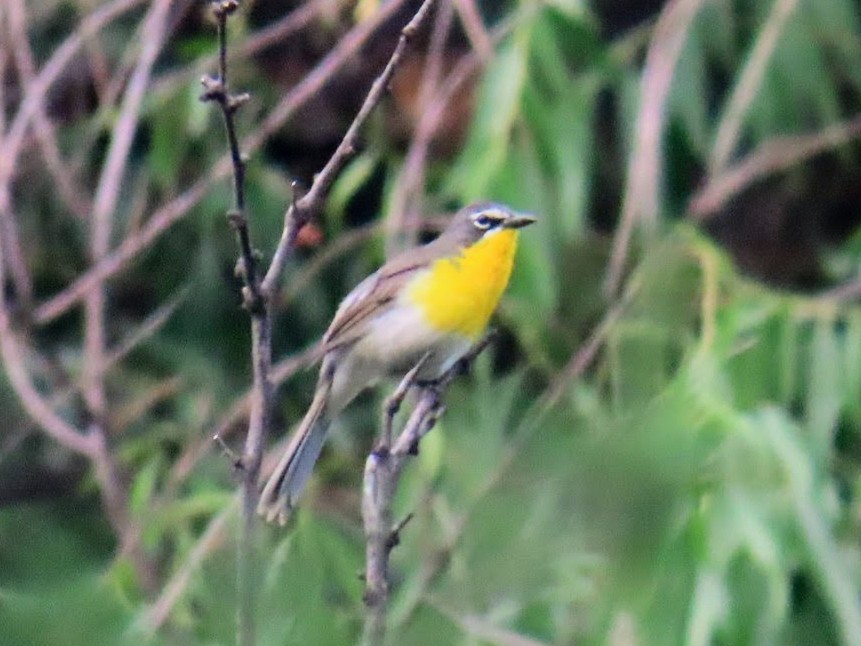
[{"x": 483, "y": 222}]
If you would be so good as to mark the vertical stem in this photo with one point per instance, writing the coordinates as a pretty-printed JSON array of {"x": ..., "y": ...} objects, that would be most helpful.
[
  {"x": 216, "y": 89},
  {"x": 379, "y": 486},
  {"x": 261, "y": 337}
]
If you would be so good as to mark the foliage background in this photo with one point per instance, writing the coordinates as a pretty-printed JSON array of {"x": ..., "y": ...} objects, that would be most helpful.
[{"x": 698, "y": 483}]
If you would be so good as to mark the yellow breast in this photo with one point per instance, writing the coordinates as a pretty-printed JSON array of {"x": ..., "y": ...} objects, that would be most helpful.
[{"x": 458, "y": 295}]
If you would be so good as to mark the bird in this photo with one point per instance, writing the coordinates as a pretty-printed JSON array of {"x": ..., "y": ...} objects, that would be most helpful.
[{"x": 429, "y": 304}]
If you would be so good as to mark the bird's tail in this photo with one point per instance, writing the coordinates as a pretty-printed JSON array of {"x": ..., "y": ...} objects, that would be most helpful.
[{"x": 296, "y": 464}]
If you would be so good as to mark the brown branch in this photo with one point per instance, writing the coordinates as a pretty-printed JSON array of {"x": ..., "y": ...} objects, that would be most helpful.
[
  {"x": 383, "y": 470},
  {"x": 147, "y": 329},
  {"x": 255, "y": 43},
  {"x": 771, "y": 157},
  {"x": 72, "y": 195},
  {"x": 749, "y": 82},
  {"x": 105, "y": 201},
  {"x": 111, "y": 484},
  {"x": 13, "y": 250},
  {"x": 35, "y": 94},
  {"x": 160, "y": 221},
  {"x": 323, "y": 73},
  {"x": 411, "y": 178},
  {"x": 482, "y": 629},
  {"x": 35, "y": 405},
  {"x": 216, "y": 89},
  {"x": 258, "y": 296},
  {"x": 31, "y": 105},
  {"x": 641, "y": 202},
  {"x": 470, "y": 18},
  {"x": 210, "y": 540},
  {"x": 533, "y": 420},
  {"x": 170, "y": 213},
  {"x": 306, "y": 207},
  {"x": 406, "y": 199}
]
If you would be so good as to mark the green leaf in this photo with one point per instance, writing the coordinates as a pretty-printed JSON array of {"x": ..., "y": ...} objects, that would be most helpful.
[
  {"x": 495, "y": 114},
  {"x": 823, "y": 384}
]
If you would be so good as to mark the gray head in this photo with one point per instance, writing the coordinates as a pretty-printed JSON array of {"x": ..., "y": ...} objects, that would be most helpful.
[{"x": 472, "y": 223}]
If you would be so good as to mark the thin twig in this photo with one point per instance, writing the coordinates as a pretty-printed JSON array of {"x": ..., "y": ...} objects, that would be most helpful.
[
  {"x": 406, "y": 199},
  {"x": 313, "y": 82},
  {"x": 773, "y": 156},
  {"x": 747, "y": 87},
  {"x": 210, "y": 540},
  {"x": 170, "y": 213},
  {"x": 482, "y": 629},
  {"x": 383, "y": 470},
  {"x": 642, "y": 193},
  {"x": 31, "y": 105},
  {"x": 34, "y": 404},
  {"x": 306, "y": 207},
  {"x": 160, "y": 221},
  {"x": 217, "y": 89},
  {"x": 112, "y": 486},
  {"x": 533, "y": 420},
  {"x": 470, "y": 18},
  {"x": 394, "y": 402},
  {"x": 105, "y": 201},
  {"x": 35, "y": 94},
  {"x": 258, "y": 297},
  {"x": 71, "y": 194},
  {"x": 147, "y": 329},
  {"x": 411, "y": 178},
  {"x": 256, "y": 42}
]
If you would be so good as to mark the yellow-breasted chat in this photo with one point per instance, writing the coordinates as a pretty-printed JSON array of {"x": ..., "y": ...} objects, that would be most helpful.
[{"x": 428, "y": 304}]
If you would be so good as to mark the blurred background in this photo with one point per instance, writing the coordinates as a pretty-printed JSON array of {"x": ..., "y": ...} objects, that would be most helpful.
[{"x": 662, "y": 447}]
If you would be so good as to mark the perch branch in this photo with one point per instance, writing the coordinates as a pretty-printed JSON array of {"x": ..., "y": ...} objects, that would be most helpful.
[
  {"x": 257, "y": 295},
  {"x": 383, "y": 470}
]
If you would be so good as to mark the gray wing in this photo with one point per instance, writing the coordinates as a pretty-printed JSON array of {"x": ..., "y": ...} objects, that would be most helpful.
[{"x": 370, "y": 298}]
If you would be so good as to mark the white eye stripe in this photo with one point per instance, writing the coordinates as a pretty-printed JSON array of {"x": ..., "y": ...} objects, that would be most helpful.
[{"x": 485, "y": 221}]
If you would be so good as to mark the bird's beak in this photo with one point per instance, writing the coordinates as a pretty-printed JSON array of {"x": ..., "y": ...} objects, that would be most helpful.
[{"x": 518, "y": 221}]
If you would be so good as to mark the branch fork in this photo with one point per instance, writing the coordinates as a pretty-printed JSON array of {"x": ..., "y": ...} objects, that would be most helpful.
[{"x": 383, "y": 470}]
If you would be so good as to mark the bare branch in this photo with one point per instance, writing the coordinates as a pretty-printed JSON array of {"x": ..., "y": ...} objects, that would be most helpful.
[
  {"x": 72, "y": 194},
  {"x": 36, "y": 92},
  {"x": 642, "y": 193},
  {"x": 748, "y": 85},
  {"x": 771, "y": 157},
  {"x": 35, "y": 405},
  {"x": 410, "y": 182},
  {"x": 383, "y": 470},
  {"x": 406, "y": 199},
  {"x": 255, "y": 43},
  {"x": 307, "y": 206},
  {"x": 217, "y": 89},
  {"x": 147, "y": 329},
  {"x": 107, "y": 194},
  {"x": 481, "y": 629},
  {"x": 322, "y": 73},
  {"x": 470, "y": 18},
  {"x": 211, "y": 539},
  {"x": 170, "y": 213},
  {"x": 160, "y": 221}
]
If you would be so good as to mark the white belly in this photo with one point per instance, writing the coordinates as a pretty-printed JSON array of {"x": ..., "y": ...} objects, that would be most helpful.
[{"x": 393, "y": 343}]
